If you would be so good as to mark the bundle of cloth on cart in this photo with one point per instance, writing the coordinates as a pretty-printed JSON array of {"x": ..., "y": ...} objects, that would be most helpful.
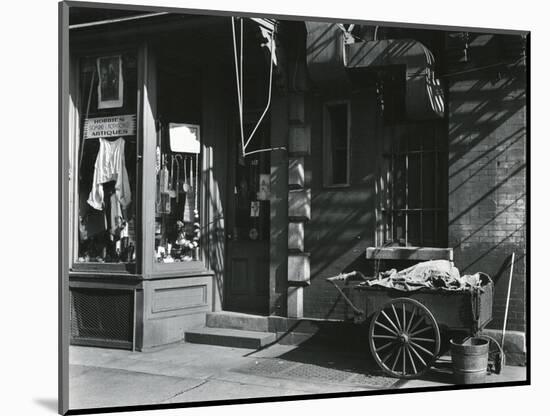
[{"x": 433, "y": 274}]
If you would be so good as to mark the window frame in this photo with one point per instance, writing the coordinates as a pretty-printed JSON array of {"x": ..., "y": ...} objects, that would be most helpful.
[
  {"x": 150, "y": 123},
  {"x": 327, "y": 142},
  {"x": 75, "y": 133}
]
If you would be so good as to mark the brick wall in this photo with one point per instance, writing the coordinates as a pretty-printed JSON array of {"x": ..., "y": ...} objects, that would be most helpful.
[
  {"x": 342, "y": 219},
  {"x": 487, "y": 181}
]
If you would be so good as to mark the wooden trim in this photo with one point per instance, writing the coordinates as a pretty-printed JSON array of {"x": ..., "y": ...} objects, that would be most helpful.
[
  {"x": 74, "y": 150},
  {"x": 107, "y": 268},
  {"x": 117, "y": 20},
  {"x": 138, "y": 318},
  {"x": 158, "y": 309},
  {"x": 179, "y": 269},
  {"x": 409, "y": 253},
  {"x": 148, "y": 137},
  {"x": 64, "y": 210},
  {"x": 102, "y": 282},
  {"x": 101, "y": 275},
  {"x": 97, "y": 342}
]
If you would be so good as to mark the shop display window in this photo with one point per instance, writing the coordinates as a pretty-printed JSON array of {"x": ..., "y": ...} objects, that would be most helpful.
[
  {"x": 177, "y": 198},
  {"x": 107, "y": 151}
]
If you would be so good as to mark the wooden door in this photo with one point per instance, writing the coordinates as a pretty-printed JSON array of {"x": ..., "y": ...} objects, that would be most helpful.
[{"x": 247, "y": 246}]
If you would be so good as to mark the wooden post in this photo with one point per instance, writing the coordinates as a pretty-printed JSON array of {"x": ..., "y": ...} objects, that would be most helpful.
[{"x": 147, "y": 113}]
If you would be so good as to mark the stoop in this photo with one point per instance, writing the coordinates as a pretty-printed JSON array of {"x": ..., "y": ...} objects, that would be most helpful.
[
  {"x": 236, "y": 320},
  {"x": 232, "y": 329},
  {"x": 235, "y": 329}
]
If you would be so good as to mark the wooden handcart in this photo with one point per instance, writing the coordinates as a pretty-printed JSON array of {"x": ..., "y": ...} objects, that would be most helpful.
[{"x": 407, "y": 329}]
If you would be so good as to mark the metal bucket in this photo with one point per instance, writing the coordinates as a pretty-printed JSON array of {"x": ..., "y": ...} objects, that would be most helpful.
[{"x": 470, "y": 360}]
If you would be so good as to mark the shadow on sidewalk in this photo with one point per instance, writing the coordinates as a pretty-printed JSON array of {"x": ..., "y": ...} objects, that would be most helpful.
[
  {"x": 336, "y": 345},
  {"x": 345, "y": 347}
]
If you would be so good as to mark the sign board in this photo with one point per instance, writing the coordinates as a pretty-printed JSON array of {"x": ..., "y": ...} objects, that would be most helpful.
[
  {"x": 264, "y": 192},
  {"x": 185, "y": 138},
  {"x": 114, "y": 126}
]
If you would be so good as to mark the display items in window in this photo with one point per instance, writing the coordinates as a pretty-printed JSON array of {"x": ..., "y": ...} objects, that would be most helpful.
[
  {"x": 177, "y": 222},
  {"x": 111, "y": 82}
]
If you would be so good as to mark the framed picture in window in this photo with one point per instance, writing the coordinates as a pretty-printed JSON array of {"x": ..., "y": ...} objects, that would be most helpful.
[{"x": 110, "y": 87}]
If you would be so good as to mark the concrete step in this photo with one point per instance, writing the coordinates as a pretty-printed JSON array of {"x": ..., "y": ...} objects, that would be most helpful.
[
  {"x": 236, "y": 320},
  {"x": 236, "y": 338}
]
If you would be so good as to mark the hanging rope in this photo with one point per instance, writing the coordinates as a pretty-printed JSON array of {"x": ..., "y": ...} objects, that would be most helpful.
[
  {"x": 268, "y": 95},
  {"x": 240, "y": 86}
]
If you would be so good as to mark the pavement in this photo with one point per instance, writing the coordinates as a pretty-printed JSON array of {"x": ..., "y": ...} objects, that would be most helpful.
[{"x": 186, "y": 373}]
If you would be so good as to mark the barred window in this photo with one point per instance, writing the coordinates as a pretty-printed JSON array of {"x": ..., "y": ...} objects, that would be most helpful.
[{"x": 412, "y": 192}]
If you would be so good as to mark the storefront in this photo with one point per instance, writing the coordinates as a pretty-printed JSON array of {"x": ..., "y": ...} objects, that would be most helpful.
[{"x": 154, "y": 149}]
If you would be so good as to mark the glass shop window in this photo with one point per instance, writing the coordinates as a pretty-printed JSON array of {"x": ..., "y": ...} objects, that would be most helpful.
[
  {"x": 336, "y": 144},
  {"x": 107, "y": 159},
  {"x": 177, "y": 197}
]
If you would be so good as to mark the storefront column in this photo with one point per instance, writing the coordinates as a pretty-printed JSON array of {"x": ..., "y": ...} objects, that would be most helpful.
[
  {"x": 215, "y": 148},
  {"x": 278, "y": 207},
  {"x": 299, "y": 206}
]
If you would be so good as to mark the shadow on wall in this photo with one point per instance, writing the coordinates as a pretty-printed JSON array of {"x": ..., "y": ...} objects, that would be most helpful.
[
  {"x": 487, "y": 180},
  {"x": 337, "y": 238},
  {"x": 278, "y": 234},
  {"x": 215, "y": 231}
]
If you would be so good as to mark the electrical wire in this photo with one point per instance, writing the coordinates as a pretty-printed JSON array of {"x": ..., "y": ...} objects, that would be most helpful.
[{"x": 481, "y": 68}]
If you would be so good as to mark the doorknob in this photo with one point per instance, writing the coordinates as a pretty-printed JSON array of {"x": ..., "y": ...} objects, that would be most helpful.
[{"x": 229, "y": 236}]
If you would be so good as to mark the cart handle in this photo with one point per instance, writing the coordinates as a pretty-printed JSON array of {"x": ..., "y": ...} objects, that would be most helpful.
[{"x": 345, "y": 277}]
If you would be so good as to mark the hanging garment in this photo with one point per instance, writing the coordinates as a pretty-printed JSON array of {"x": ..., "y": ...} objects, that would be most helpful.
[
  {"x": 164, "y": 176},
  {"x": 91, "y": 222},
  {"x": 112, "y": 217},
  {"x": 116, "y": 224},
  {"x": 110, "y": 166}
]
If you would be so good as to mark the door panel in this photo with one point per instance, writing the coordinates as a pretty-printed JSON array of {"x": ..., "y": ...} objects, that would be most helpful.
[
  {"x": 239, "y": 282},
  {"x": 247, "y": 246},
  {"x": 247, "y": 289}
]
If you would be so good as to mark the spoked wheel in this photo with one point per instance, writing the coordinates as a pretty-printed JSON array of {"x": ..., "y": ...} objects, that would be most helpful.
[{"x": 404, "y": 338}]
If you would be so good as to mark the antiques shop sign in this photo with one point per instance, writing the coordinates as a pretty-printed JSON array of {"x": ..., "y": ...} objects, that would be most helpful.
[{"x": 115, "y": 126}]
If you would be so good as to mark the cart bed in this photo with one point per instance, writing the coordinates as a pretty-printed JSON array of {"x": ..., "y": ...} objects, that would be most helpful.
[{"x": 468, "y": 311}]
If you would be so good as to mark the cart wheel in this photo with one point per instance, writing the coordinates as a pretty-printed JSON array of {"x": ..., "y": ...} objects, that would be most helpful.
[{"x": 404, "y": 338}]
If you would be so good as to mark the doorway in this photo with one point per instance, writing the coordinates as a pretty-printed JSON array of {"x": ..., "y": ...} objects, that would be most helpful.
[{"x": 248, "y": 224}]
